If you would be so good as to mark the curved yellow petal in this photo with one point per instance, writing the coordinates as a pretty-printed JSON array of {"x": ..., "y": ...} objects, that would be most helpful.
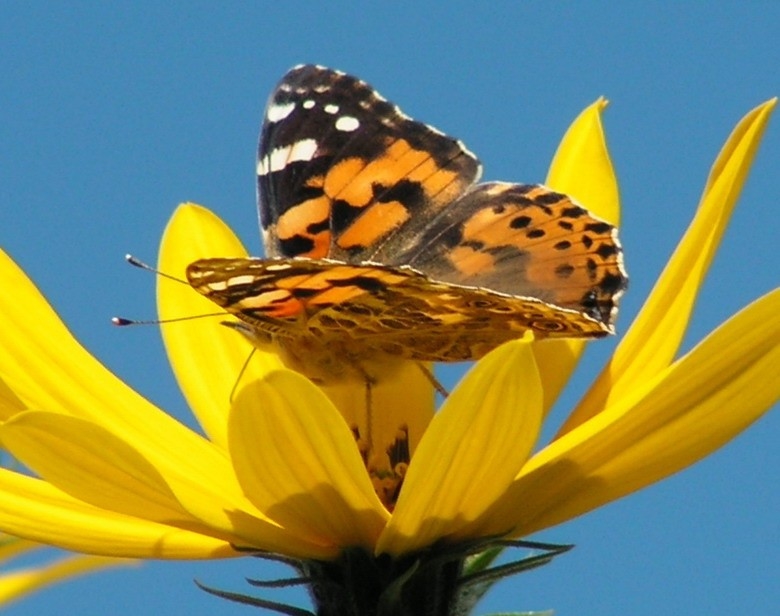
[
  {"x": 43, "y": 367},
  {"x": 470, "y": 453},
  {"x": 92, "y": 465},
  {"x": 581, "y": 168},
  {"x": 11, "y": 546},
  {"x": 298, "y": 461},
  {"x": 208, "y": 359},
  {"x": 37, "y": 511},
  {"x": 16, "y": 584},
  {"x": 10, "y": 404},
  {"x": 654, "y": 338},
  {"x": 676, "y": 418}
]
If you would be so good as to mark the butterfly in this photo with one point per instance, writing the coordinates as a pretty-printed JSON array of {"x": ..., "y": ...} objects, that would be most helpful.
[{"x": 381, "y": 244}]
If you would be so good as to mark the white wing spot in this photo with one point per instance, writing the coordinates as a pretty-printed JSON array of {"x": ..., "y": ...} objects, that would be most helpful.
[
  {"x": 347, "y": 124},
  {"x": 331, "y": 109},
  {"x": 308, "y": 104},
  {"x": 236, "y": 280},
  {"x": 303, "y": 150},
  {"x": 279, "y": 158},
  {"x": 277, "y": 113},
  {"x": 217, "y": 286}
]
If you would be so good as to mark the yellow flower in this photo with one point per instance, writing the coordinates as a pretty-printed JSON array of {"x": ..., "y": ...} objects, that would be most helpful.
[
  {"x": 20, "y": 581},
  {"x": 279, "y": 470}
]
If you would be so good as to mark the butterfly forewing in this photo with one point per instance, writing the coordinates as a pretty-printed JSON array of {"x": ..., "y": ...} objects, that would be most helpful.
[{"x": 341, "y": 169}]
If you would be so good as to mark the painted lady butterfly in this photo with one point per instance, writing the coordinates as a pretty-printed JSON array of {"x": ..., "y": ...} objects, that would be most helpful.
[{"x": 380, "y": 245}]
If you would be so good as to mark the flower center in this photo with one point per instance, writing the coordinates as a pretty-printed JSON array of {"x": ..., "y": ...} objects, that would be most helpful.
[{"x": 386, "y": 468}]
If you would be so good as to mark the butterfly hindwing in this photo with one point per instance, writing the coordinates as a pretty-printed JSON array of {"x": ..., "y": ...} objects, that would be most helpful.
[{"x": 524, "y": 240}]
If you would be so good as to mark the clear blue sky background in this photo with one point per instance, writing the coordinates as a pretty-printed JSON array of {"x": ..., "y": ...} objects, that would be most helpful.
[{"x": 111, "y": 115}]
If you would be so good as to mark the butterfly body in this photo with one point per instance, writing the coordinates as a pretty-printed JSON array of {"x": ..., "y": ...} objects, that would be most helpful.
[{"x": 381, "y": 247}]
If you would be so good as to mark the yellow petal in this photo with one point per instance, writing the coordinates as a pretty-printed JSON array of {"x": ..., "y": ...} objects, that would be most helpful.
[
  {"x": 17, "y": 584},
  {"x": 37, "y": 511},
  {"x": 10, "y": 404},
  {"x": 297, "y": 460},
  {"x": 91, "y": 464},
  {"x": 11, "y": 546},
  {"x": 43, "y": 367},
  {"x": 207, "y": 358},
  {"x": 676, "y": 418},
  {"x": 471, "y": 452},
  {"x": 582, "y": 169},
  {"x": 654, "y": 338}
]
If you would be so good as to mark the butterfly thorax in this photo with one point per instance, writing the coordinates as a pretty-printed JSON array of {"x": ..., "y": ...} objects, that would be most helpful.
[{"x": 325, "y": 360}]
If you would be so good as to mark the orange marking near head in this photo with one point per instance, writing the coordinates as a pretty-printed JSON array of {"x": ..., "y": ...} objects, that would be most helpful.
[
  {"x": 288, "y": 308},
  {"x": 278, "y": 303}
]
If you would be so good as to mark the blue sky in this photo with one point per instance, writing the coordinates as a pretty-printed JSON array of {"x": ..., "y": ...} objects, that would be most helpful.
[{"x": 112, "y": 114}]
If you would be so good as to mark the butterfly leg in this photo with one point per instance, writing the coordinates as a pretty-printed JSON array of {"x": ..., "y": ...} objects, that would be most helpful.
[
  {"x": 241, "y": 374},
  {"x": 432, "y": 378}
]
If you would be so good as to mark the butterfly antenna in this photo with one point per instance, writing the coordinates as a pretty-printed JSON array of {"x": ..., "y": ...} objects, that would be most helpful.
[
  {"x": 122, "y": 321},
  {"x": 135, "y": 262},
  {"x": 369, "y": 413}
]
